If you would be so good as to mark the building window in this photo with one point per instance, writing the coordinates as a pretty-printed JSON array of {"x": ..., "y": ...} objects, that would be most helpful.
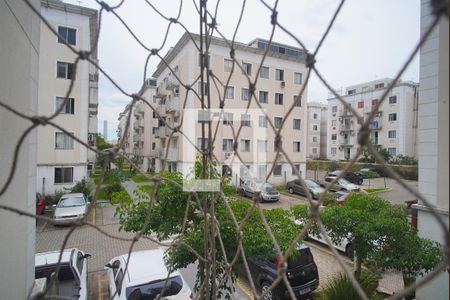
[
  {"x": 392, "y": 134},
  {"x": 206, "y": 62},
  {"x": 296, "y": 146},
  {"x": 351, "y": 92},
  {"x": 245, "y": 121},
  {"x": 379, "y": 85},
  {"x": 334, "y": 137},
  {"x": 64, "y": 175},
  {"x": 279, "y": 74},
  {"x": 297, "y": 101},
  {"x": 277, "y": 170},
  {"x": 392, "y": 99},
  {"x": 264, "y": 72},
  {"x": 227, "y": 145},
  {"x": 275, "y": 148},
  {"x": 262, "y": 145},
  {"x": 262, "y": 171},
  {"x": 203, "y": 91},
  {"x": 65, "y": 70},
  {"x": 227, "y": 119},
  {"x": 333, "y": 123},
  {"x": 262, "y": 121},
  {"x": 392, "y": 151},
  {"x": 263, "y": 97},
  {"x": 297, "y": 78},
  {"x": 247, "y": 68},
  {"x": 314, "y": 139},
  {"x": 392, "y": 117},
  {"x": 315, "y": 127},
  {"x": 277, "y": 122},
  {"x": 227, "y": 65},
  {"x": 229, "y": 92},
  {"x": 314, "y": 150},
  {"x": 374, "y": 102},
  {"x": 153, "y": 146},
  {"x": 334, "y": 109},
  {"x": 361, "y": 104},
  {"x": 63, "y": 141},
  {"x": 333, "y": 151},
  {"x": 244, "y": 94},
  {"x": 202, "y": 143},
  {"x": 296, "y": 168},
  {"x": 315, "y": 116},
  {"x": 245, "y": 145},
  {"x": 278, "y": 98},
  {"x": 69, "y": 105},
  {"x": 68, "y": 35},
  {"x": 297, "y": 124}
]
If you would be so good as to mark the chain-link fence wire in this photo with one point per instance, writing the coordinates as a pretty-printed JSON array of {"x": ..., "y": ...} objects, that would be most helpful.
[{"x": 208, "y": 20}]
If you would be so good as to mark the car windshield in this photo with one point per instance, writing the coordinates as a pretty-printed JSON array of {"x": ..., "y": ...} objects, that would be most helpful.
[
  {"x": 343, "y": 181},
  {"x": 311, "y": 184},
  {"x": 150, "y": 290},
  {"x": 72, "y": 201}
]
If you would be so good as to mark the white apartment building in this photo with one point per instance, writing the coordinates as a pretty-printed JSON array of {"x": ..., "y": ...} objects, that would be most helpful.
[
  {"x": 433, "y": 142},
  {"x": 19, "y": 70},
  {"x": 279, "y": 82},
  {"x": 60, "y": 160},
  {"x": 394, "y": 127},
  {"x": 316, "y": 129},
  {"x": 323, "y": 131},
  {"x": 124, "y": 135}
]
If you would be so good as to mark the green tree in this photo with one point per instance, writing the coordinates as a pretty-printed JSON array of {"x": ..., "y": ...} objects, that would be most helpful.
[
  {"x": 369, "y": 158},
  {"x": 102, "y": 144}
]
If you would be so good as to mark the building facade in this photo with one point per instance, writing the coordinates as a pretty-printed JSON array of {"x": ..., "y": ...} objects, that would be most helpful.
[
  {"x": 280, "y": 81},
  {"x": 394, "y": 127},
  {"x": 316, "y": 129},
  {"x": 433, "y": 142},
  {"x": 60, "y": 160},
  {"x": 19, "y": 70}
]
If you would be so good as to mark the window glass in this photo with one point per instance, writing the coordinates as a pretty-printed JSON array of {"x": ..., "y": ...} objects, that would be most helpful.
[
  {"x": 69, "y": 105},
  {"x": 263, "y": 97},
  {"x": 297, "y": 78},
  {"x": 244, "y": 94},
  {"x": 279, "y": 74},
  {"x": 150, "y": 290},
  {"x": 264, "y": 72},
  {"x": 229, "y": 92},
  {"x": 67, "y": 34},
  {"x": 227, "y": 65},
  {"x": 63, "y": 141},
  {"x": 277, "y": 170},
  {"x": 278, "y": 98},
  {"x": 277, "y": 122}
]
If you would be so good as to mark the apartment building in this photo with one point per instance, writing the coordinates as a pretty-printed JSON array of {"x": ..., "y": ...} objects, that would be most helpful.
[
  {"x": 317, "y": 129},
  {"x": 124, "y": 135},
  {"x": 323, "y": 131},
  {"x": 280, "y": 81},
  {"x": 394, "y": 127},
  {"x": 60, "y": 160},
  {"x": 433, "y": 142}
]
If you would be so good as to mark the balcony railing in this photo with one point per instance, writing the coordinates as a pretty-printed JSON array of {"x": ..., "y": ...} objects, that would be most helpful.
[
  {"x": 162, "y": 132},
  {"x": 161, "y": 109},
  {"x": 173, "y": 105},
  {"x": 375, "y": 125},
  {"x": 171, "y": 82},
  {"x": 345, "y": 143}
]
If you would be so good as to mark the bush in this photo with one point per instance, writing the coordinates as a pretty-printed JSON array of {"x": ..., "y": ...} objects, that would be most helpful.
[
  {"x": 340, "y": 287},
  {"x": 85, "y": 186},
  {"x": 113, "y": 188},
  {"x": 330, "y": 199},
  {"x": 53, "y": 199}
]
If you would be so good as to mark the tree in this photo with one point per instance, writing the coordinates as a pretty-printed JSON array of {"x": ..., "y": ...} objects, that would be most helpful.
[
  {"x": 102, "y": 144},
  {"x": 369, "y": 158}
]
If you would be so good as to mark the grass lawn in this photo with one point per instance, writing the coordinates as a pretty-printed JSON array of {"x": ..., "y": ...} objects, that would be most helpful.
[
  {"x": 376, "y": 190},
  {"x": 147, "y": 188},
  {"x": 139, "y": 178}
]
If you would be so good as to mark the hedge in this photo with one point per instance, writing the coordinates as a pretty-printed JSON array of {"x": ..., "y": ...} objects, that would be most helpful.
[{"x": 406, "y": 172}]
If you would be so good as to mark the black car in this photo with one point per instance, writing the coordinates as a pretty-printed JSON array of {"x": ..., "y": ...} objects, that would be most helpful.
[
  {"x": 353, "y": 177},
  {"x": 301, "y": 272}
]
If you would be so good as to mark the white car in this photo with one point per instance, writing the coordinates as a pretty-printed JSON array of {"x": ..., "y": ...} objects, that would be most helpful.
[
  {"x": 71, "y": 282},
  {"x": 70, "y": 208},
  {"x": 144, "y": 278}
]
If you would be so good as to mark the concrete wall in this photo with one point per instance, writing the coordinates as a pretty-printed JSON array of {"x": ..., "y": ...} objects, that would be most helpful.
[{"x": 19, "y": 48}]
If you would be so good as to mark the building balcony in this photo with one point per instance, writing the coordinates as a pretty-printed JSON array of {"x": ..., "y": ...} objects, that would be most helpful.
[
  {"x": 375, "y": 125},
  {"x": 345, "y": 143},
  {"x": 141, "y": 123},
  {"x": 139, "y": 109},
  {"x": 162, "y": 132},
  {"x": 343, "y": 127},
  {"x": 345, "y": 113},
  {"x": 173, "y": 105},
  {"x": 171, "y": 83},
  {"x": 136, "y": 125},
  {"x": 161, "y": 110},
  {"x": 136, "y": 137}
]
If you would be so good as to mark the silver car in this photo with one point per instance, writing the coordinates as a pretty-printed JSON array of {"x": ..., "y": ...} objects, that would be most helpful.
[{"x": 70, "y": 208}]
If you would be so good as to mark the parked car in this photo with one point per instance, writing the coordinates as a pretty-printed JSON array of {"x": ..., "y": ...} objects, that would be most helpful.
[
  {"x": 145, "y": 277},
  {"x": 353, "y": 177},
  {"x": 340, "y": 185},
  {"x": 343, "y": 246},
  {"x": 70, "y": 208},
  {"x": 341, "y": 196},
  {"x": 267, "y": 191},
  {"x": 301, "y": 272},
  {"x": 314, "y": 188},
  {"x": 40, "y": 204},
  {"x": 71, "y": 281}
]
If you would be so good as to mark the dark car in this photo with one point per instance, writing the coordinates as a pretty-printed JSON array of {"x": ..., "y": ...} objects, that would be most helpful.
[
  {"x": 40, "y": 204},
  {"x": 301, "y": 272},
  {"x": 314, "y": 188},
  {"x": 353, "y": 177}
]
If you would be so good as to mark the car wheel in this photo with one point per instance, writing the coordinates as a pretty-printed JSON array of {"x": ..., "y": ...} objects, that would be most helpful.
[
  {"x": 290, "y": 190},
  {"x": 265, "y": 287},
  {"x": 242, "y": 192},
  {"x": 349, "y": 251},
  {"x": 360, "y": 182}
]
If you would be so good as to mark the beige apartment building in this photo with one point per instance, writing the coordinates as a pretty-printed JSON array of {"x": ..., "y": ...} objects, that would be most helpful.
[
  {"x": 279, "y": 82},
  {"x": 60, "y": 160},
  {"x": 317, "y": 129},
  {"x": 394, "y": 127}
]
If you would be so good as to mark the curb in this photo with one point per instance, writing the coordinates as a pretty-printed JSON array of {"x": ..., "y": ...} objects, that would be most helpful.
[{"x": 376, "y": 192}]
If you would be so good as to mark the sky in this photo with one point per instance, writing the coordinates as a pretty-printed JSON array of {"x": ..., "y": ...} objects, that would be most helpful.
[{"x": 369, "y": 40}]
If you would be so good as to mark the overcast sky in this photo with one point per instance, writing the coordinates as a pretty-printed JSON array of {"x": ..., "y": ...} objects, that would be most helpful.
[{"x": 370, "y": 40}]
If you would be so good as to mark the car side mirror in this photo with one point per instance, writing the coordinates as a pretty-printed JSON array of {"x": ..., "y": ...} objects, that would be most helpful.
[
  {"x": 86, "y": 255},
  {"x": 54, "y": 205},
  {"x": 108, "y": 266}
]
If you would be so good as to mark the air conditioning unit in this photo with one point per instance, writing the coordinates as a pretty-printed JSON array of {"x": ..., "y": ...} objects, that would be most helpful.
[{"x": 283, "y": 83}]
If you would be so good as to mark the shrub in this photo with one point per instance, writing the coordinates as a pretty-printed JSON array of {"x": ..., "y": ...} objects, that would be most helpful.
[
  {"x": 113, "y": 188},
  {"x": 85, "y": 186},
  {"x": 330, "y": 199},
  {"x": 340, "y": 287}
]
